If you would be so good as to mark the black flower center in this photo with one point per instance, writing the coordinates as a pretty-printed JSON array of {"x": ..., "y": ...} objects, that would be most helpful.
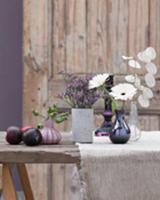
[{"x": 123, "y": 93}]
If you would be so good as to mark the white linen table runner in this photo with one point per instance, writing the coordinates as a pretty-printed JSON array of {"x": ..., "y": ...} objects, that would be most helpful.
[{"x": 121, "y": 172}]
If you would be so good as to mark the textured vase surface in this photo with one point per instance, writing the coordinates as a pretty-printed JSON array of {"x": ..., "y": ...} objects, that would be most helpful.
[
  {"x": 121, "y": 131},
  {"x": 82, "y": 125},
  {"x": 49, "y": 134}
]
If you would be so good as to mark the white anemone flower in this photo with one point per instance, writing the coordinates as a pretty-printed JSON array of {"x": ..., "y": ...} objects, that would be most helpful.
[
  {"x": 98, "y": 80},
  {"x": 134, "y": 64},
  {"x": 147, "y": 55},
  {"x": 130, "y": 78},
  {"x": 123, "y": 91}
]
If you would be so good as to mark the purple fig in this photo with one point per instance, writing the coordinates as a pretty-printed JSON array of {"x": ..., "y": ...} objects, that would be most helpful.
[
  {"x": 14, "y": 135},
  {"x": 32, "y": 137}
]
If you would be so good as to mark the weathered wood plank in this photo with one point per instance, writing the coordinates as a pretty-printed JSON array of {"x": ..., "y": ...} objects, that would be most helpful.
[
  {"x": 92, "y": 46},
  {"x": 97, "y": 30},
  {"x": 59, "y": 36},
  {"x": 138, "y": 25},
  {"x": 59, "y": 184},
  {"x": 149, "y": 123},
  {"x": 117, "y": 31},
  {"x": 154, "y": 33},
  {"x": 25, "y": 181},
  {"x": 39, "y": 155},
  {"x": 76, "y": 36},
  {"x": 37, "y": 56},
  {"x": 9, "y": 191},
  {"x": 63, "y": 185},
  {"x": 138, "y": 30},
  {"x": 38, "y": 175},
  {"x": 66, "y": 152}
]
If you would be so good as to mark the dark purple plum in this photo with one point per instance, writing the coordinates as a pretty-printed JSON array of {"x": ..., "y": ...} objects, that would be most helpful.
[
  {"x": 14, "y": 135},
  {"x": 32, "y": 137}
]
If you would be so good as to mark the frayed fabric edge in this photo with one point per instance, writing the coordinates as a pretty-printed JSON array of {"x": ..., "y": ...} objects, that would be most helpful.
[{"x": 78, "y": 178}]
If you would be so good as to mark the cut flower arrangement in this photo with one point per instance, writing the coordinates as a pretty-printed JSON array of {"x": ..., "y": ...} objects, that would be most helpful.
[
  {"x": 81, "y": 92},
  {"x": 77, "y": 93},
  {"x": 81, "y": 99},
  {"x": 137, "y": 90},
  {"x": 143, "y": 60}
]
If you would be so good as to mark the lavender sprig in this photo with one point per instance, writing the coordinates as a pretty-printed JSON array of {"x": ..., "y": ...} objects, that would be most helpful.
[{"x": 76, "y": 93}]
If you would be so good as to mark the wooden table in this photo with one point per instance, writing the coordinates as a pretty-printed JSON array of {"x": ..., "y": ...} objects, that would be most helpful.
[{"x": 66, "y": 152}]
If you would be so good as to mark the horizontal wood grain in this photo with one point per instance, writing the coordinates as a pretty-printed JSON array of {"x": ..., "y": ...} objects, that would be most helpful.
[{"x": 62, "y": 153}]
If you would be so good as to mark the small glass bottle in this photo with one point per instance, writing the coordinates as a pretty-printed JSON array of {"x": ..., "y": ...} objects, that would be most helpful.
[{"x": 134, "y": 122}]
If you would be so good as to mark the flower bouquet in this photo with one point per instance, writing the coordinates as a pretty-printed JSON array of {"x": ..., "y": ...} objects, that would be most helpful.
[
  {"x": 121, "y": 93},
  {"x": 143, "y": 84},
  {"x": 138, "y": 89},
  {"x": 81, "y": 99},
  {"x": 104, "y": 82}
]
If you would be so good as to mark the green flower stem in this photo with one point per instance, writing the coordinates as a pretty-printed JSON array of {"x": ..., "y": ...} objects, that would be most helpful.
[{"x": 68, "y": 102}]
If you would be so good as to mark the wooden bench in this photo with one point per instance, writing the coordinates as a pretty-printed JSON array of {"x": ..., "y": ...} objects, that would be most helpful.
[{"x": 19, "y": 155}]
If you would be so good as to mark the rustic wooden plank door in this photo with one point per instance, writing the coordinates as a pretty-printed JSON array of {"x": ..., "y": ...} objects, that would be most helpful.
[{"x": 82, "y": 36}]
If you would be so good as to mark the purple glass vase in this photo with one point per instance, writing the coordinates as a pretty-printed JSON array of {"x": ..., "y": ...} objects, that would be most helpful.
[
  {"x": 121, "y": 131},
  {"x": 106, "y": 128},
  {"x": 49, "y": 134}
]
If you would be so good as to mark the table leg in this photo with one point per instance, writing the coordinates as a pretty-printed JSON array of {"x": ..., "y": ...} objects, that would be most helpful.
[
  {"x": 8, "y": 188},
  {"x": 25, "y": 181}
]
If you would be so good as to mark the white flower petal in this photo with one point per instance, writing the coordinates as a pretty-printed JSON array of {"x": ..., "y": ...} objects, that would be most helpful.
[
  {"x": 97, "y": 81},
  {"x": 143, "y": 101},
  {"x": 151, "y": 68},
  {"x": 151, "y": 53},
  {"x": 130, "y": 78},
  {"x": 134, "y": 64},
  {"x": 147, "y": 93},
  {"x": 123, "y": 91},
  {"x": 92, "y": 85},
  {"x": 150, "y": 80},
  {"x": 127, "y": 57},
  {"x": 143, "y": 57},
  {"x": 147, "y": 55}
]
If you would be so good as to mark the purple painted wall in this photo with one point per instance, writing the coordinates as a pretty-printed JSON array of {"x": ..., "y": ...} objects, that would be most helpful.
[{"x": 10, "y": 63}]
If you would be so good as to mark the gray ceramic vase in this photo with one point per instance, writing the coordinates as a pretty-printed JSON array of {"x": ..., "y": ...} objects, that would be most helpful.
[{"x": 82, "y": 125}]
